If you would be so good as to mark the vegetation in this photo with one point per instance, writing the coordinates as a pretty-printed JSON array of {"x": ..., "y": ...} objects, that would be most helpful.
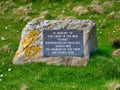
[{"x": 102, "y": 71}]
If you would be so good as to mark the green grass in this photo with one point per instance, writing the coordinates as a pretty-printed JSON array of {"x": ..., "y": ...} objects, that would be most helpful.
[{"x": 101, "y": 70}]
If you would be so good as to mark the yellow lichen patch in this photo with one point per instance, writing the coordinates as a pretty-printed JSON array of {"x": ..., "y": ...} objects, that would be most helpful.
[
  {"x": 32, "y": 36},
  {"x": 30, "y": 52},
  {"x": 17, "y": 53},
  {"x": 51, "y": 25}
]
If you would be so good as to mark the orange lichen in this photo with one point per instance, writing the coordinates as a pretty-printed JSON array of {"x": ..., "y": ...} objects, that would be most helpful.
[
  {"x": 30, "y": 52},
  {"x": 32, "y": 36}
]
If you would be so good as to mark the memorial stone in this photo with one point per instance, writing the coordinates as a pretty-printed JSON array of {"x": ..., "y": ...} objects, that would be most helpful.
[{"x": 60, "y": 42}]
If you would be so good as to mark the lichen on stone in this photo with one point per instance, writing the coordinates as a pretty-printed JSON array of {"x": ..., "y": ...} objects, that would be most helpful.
[
  {"x": 31, "y": 37},
  {"x": 16, "y": 54},
  {"x": 30, "y": 52},
  {"x": 31, "y": 44}
]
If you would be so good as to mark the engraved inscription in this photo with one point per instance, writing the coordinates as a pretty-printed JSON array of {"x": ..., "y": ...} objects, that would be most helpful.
[{"x": 62, "y": 43}]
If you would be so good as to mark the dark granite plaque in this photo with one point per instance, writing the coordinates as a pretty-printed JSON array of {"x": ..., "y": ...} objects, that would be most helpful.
[{"x": 62, "y": 43}]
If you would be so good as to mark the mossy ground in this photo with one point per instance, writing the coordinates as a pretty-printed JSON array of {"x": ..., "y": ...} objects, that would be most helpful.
[{"x": 102, "y": 70}]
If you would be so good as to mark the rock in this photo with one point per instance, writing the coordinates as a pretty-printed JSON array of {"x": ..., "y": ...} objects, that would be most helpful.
[
  {"x": 116, "y": 52},
  {"x": 30, "y": 48}
]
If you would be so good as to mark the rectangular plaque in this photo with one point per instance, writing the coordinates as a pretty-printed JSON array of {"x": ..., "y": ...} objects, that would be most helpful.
[{"x": 63, "y": 43}]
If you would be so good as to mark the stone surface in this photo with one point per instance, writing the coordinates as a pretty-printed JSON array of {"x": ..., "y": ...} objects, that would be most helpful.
[
  {"x": 30, "y": 48},
  {"x": 116, "y": 52}
]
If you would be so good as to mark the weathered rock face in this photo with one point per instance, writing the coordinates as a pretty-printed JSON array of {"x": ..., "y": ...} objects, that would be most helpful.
[{"x": 30, "y": 48}]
